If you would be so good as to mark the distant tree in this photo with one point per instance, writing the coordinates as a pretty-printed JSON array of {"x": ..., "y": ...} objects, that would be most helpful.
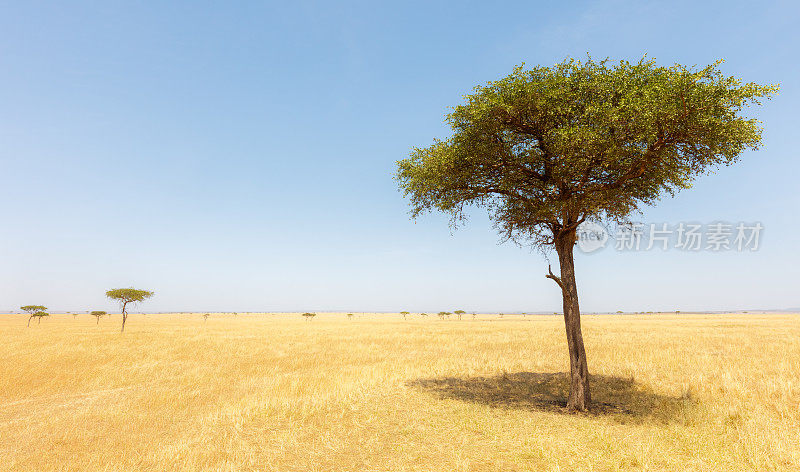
[
  {"x": 549, "y": 148},
  {"x": 404, "y": 313},
  {"x": 474, "y": 315},
  {"x": 309, "y": 316},
  {"x": 349, "y": 316},
  {"x": 98, "y": 315},
  {"x": 423, "y": 314},
  {"x": 501, "y": 315},
  {"x": 205, "y": 317},
  {"x": 33, "y": 311},
  {"x": 441, "y": 314},
  {"x": 459, "y": 313},
  {"x": 74, "y": 315},
  {"x": 125, "y": 296}
]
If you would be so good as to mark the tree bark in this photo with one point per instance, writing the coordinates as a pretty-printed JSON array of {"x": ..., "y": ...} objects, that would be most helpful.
[
  {"x": 29, "y": 321},
  {"x": 579, "y": 396},
  {"x": 124, "y": 316}
]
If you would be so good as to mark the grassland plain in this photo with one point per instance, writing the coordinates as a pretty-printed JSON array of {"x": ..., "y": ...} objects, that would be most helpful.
[{"x": 376, "y": 393}]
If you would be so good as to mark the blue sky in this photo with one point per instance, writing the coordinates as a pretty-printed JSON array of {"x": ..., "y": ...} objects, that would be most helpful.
[{"x": 240, "y": 157}]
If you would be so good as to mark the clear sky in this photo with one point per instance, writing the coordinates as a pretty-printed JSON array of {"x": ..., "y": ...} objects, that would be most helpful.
[{"x": 239, "y": 156}]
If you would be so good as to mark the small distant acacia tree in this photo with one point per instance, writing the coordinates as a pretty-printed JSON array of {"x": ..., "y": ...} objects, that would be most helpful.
[
  {"x": 205, "y": 317},
  {"x": 39, "y": 315},
  {"x": 349, "y": 316},
  {"x": 126, "y": 296},
  {"x": 459, "y": 313},
  {"x": 547, "y": 149},
  {"x": 405, "y": 314},
  {"x": 474, "y": 315},
  {"x": 98, "y": 314},
  {"x": 309, "y": 316},
  {"x": 33, "y": 312}
]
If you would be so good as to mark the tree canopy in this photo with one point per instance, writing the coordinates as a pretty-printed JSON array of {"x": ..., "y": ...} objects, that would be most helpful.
[
  {"x": 30, "y": 309},
  {"x": 128, "y": 295},
  {"x": 552, "y": 146}
]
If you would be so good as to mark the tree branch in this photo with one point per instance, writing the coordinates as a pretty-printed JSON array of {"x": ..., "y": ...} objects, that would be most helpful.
[{"x": 555, "y": 278}]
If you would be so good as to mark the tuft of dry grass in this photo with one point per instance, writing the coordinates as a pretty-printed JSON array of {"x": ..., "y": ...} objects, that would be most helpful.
[{"x": 376, "y": 393}]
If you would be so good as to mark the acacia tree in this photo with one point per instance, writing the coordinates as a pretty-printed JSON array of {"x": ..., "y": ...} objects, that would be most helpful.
[
  {"x": 125, "y": 296},
  {"x": 98, "y": 314},
  {"x": 459, "y": 313},
  {"x": 33, "y": 311},
  {"x": 309, "y": 316},
  {"x": 546, "y": 149},
  {"x": 38, "y": 315}
]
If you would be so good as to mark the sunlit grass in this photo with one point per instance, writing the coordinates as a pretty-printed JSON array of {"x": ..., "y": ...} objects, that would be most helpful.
[{"x": 376, "y": 393}]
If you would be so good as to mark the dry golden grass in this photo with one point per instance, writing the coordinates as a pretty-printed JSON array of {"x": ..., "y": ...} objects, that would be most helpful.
[{"x": 376, "y": 393}]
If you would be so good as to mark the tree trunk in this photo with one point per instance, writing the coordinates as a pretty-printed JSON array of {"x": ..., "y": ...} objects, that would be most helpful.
[
  {"x": 579, "y": 397},
  {"x": 29, "y": 321},
  {"x": 124, "y": 316}
]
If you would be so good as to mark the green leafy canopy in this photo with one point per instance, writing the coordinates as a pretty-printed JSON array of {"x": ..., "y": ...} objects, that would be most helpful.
[
  {"x": 33, "y": 308},
  {"x": 547, "y": 148},
  {"x": 128, "y": 295}
]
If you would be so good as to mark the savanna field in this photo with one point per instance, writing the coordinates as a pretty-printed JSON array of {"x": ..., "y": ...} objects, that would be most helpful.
[{"x": 277, "y": 392}]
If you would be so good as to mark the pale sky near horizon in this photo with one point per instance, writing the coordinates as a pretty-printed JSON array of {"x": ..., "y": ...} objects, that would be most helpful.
[{"x": 238, "y": 156}]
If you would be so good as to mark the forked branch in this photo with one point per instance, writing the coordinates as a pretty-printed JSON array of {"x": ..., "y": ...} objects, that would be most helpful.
[{"x": 551, "y": 275}]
